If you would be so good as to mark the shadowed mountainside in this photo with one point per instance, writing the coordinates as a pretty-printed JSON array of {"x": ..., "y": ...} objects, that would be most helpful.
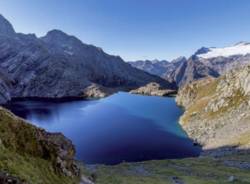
[{"x": 59, "y": 65}]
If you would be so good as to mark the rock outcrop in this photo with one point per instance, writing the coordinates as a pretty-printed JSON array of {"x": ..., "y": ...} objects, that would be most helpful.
[
  {"x": 59, "y": 65},
  {"x": 217, "y": 110},
  {"x": 153, "y": 89},
  {"x": 6, "y": 178},
  {"x": 21, "y": 138},
  {"x": 4, "y": 92},
  {"x": 5, "y": 85},
  {"x": 97, "y": 91}
]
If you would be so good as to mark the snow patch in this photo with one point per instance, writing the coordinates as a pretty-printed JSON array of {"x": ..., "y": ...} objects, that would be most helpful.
[{"x": 238, "y": 49}]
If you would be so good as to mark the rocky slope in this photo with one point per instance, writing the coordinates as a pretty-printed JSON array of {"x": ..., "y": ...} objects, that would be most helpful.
[
  {"x": 34, "y": 155},
  {"x": 217, "y": 110},
  {"x": 59, "y": 65},
  {"x": 205, "y": 62}
]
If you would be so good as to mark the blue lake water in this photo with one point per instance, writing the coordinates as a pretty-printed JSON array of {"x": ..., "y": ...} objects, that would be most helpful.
[{"x": 122, "y": 127}]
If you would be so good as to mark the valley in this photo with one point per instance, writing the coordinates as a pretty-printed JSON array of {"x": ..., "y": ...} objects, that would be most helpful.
[{"x": 71, "y": 113}]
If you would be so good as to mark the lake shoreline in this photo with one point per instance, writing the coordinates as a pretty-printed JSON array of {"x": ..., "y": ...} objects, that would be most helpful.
[{"x": 79, "y": 100}]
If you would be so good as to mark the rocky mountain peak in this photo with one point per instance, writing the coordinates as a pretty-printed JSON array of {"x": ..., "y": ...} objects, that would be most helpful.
[
  {"x": 5, "y": 27},
  {"x": 240, "y": 49},
  {"x": 59, "y": 41},
  {"x": 59, "y": 37},
  {"x": 202, "y": 50},
  {"x": 56, "y": 35},
  {"x": 155, "y": 61},
  {"x": 179, "y": 59}
]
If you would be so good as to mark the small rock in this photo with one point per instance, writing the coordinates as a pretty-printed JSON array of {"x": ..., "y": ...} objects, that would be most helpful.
[
  {"x": 85, "y": 180},
  {"x": 231, "y": 179},
  {"x": 176, "y": 180}
]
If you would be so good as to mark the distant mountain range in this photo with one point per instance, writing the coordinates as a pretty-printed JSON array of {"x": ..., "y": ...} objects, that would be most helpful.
[
  {"x": 205, "y": 62},
  {"x": 158, "y": 67},
  {"x": 59, "y": 65}
]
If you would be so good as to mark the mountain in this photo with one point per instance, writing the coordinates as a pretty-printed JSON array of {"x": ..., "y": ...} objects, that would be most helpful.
[
  {"x": 205, "y": 62},
  {"x": 155, "y": 67},
  {"x": 191, "y": 70},
  {"x": 226, "y": 58},
  {"x": 161, "y": 68},
  {"x": 217, "y": 110},
  {"x": 241, "y": 48},
  {"x": 212, "y": 62},
  {"x": 60, "y": 65},
  {"x": 180, "y": 70}
]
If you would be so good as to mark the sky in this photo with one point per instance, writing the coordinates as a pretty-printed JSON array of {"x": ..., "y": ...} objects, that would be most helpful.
[{"x": 137, "y": 29}]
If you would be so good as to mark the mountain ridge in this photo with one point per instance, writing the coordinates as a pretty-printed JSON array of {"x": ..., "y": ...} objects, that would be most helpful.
[
  {"x": 6, "y": 28},
  {"x": 212, "y": 62},
  {"x": 37, "y": 67}
]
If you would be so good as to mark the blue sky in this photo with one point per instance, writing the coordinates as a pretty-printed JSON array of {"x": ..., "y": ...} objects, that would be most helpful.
[{"x": 137, "y": 29}]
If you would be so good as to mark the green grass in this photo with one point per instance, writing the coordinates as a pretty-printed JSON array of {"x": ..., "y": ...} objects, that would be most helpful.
[
  {"x": 17, "y": 135},
  {"x": 33, "y": 170},
  {"x": 189, "y": 171}
]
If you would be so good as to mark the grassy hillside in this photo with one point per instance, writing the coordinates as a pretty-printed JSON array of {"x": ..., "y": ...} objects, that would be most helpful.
[{"x": 26, "y": 155}]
